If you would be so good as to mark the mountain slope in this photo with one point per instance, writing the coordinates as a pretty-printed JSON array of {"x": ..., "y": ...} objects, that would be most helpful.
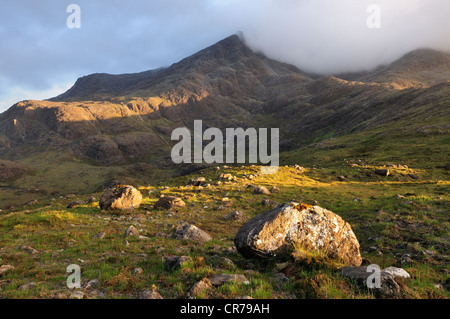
[
  {"x": 120, "y": 125},
  {"x": 420, "y": 69}
]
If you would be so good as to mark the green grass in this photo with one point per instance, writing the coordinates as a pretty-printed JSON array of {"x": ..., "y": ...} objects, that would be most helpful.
[{"x": 415, "y": 224}]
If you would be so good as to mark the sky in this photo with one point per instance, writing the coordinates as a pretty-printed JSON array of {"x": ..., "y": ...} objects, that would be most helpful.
[{"x": 41, "y": 56}]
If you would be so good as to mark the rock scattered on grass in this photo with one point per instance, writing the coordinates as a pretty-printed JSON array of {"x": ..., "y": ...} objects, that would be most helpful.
[
  {"x": 261, "y": 190},
  {"x": 388, "y": 286},
  {"x": 131, "y": 231},
  {"x": 221, "y": 279},
  {"x": 121, "y": 197},
  {"x": 168, "y": 202},
  {"x": 187, "y": 231},
  {"x": 200, "y": 287},
  {"x": 383, "y": 172},
  {"x": 175, "y": 262},
  {"x": 397, "y": 272},
  {"x": 6, "y": 268}
]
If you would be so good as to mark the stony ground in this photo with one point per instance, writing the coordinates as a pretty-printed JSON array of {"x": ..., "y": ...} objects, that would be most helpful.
[{"x": 401, "y": 220}]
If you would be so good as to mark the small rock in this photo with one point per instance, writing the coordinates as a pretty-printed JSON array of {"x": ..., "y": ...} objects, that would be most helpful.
[
  {"x": 138, "y": 271},
  {"x": 230, "y": 250},
  {"x": 272, "y": 234},
  {"x": 383, "y": 172},
  {"x": 99, "y": 236},
  {"x": 447, "y": 284},
  {"x": 226, "y": 263},
  {"x": 150, "y": 294},
  {"x": 190, "y": 232},
  {"x": 5, "y": 268},
  {"x": 228, "y": 177},
  {"x": 221, "y": 279},
  {"x": 397, "y": 272},
  {"x": 372, "y": 249},
  {"x": 261, "y": 190},
  {"x": 201, "y": 286},
  {"x": 76, "y": 203},
  {"x": 168, "y": 202},
  {"x": 388, "y": 286},
  {"x": 268, "y": 202},
  {"x": 28, "y": 286},
  {"x": 175, "y": 262},
  {"x": 92, "y": 284},
  {"x": 91, "y": 200},
  {"x": 121, "y": 197},
  {"x": 199, "y": 181},
  {"x": 77, "y": 295},
  {"x": 30, "y": 250},
  {"x": 274, "y": 190},
  {"x": 131, "y": 231},
  {"x": 236, "y": 215}
]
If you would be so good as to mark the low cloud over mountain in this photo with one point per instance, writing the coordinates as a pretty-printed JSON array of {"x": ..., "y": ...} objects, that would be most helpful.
[{"x": 39, "y": 52}]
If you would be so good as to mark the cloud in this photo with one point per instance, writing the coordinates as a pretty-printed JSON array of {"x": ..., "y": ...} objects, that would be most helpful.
[{"x": 40, "y": 54}]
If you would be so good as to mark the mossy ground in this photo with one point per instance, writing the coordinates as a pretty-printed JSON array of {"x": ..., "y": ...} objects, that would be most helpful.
[{"x": 416, "y": 224}]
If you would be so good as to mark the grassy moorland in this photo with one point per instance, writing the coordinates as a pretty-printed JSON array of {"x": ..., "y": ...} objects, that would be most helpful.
[{"x": 42, "y": 239}]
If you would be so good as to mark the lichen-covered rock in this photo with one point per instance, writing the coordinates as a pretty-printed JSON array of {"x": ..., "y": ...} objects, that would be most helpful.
[
  {"x": 167, "y": 202},
  {"x": 121, "y": 197},
  {"x": 274, "y": 233}
]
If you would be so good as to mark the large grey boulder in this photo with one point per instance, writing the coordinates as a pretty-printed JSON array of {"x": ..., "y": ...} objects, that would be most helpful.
[
  {"x": 276, "y": 232},
  {"x": 121, "y": 197}
]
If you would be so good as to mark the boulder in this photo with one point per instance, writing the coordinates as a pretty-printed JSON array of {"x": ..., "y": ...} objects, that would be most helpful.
[
  {"x": 167, "y": 202},
  {"x": 190, "y": 232},
  {"x": 121, "y": 197},
  {"x": 274, "y": 233},
  {"x": 388, "y": 286}
]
